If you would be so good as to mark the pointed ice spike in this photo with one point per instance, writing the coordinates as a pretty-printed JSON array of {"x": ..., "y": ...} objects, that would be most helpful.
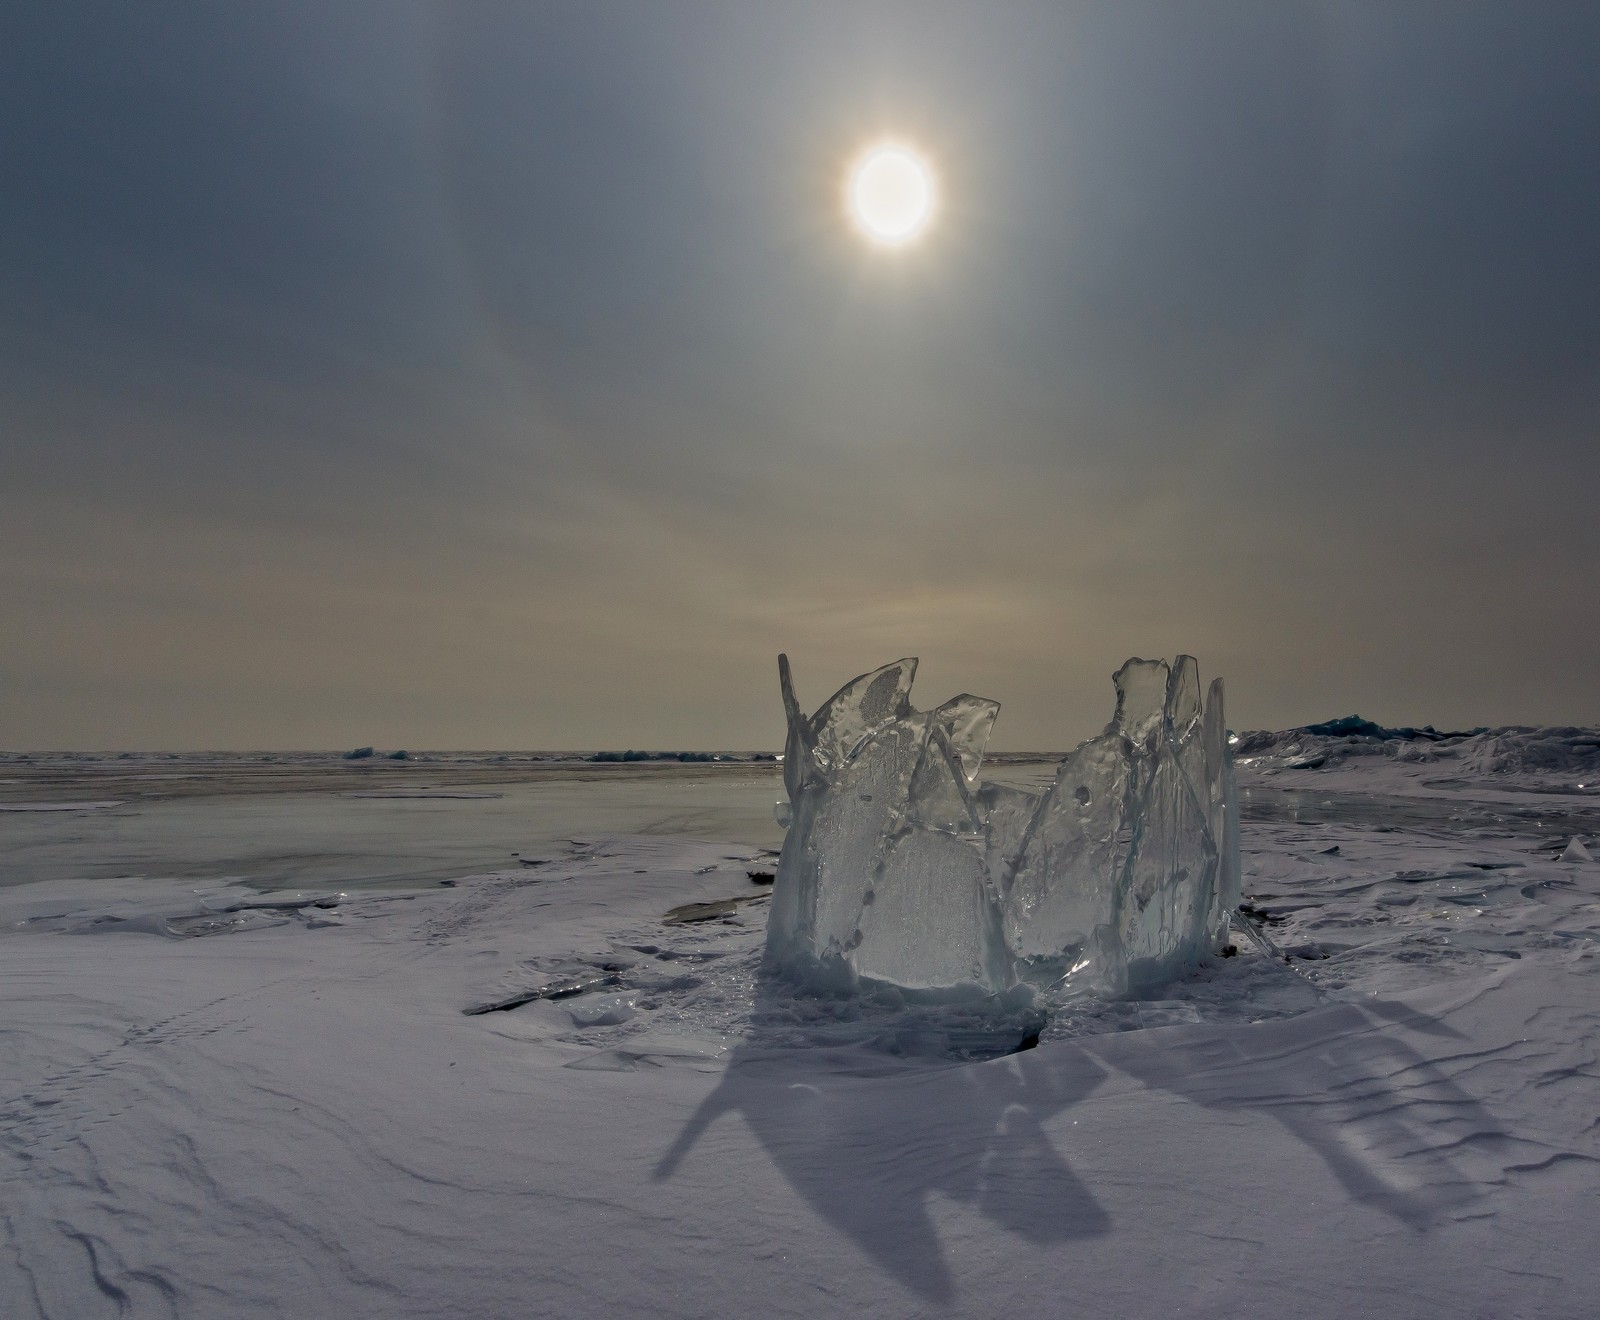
[
  {"x": 1007, "y": 814},
  {"x": 1214, "y": 738},
  {"x": 939, "y": 797},
  {"x": 831, "y": 852},
  {"x": 1166, "y": 896},
  {"x": 853, "y": 817},
  {"x": 1183, "y": 697},
  {"x": 791, "y": 706},
  {"x": 799, "y": 742},
  {"x": 1222, "y": 805},
  {"x": 1184, "y": 724},
  {"x": 792, "y": 917},
  {"x": 862, "y": 706},
  {"x": 1141, "y": 701},
  {"x": 1230, "y": 879},
  {"x": 968, "y": 721},
  {"x": 1065, "y": 886}
]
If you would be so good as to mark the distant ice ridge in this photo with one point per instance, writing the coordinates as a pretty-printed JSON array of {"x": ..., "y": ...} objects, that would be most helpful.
[
  {"x": 902, "y": 867},
  {"x": 1510, "y": 749}
]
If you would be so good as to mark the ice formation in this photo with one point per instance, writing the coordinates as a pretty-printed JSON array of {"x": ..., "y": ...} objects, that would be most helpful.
[{"x": 902, "y": 867}]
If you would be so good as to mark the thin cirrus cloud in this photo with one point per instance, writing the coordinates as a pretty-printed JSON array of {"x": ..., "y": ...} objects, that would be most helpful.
[{"x": 508, "y": 376}]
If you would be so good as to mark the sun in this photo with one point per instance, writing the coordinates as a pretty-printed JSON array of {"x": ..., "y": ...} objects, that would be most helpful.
[{"x": 890, "y": 194}]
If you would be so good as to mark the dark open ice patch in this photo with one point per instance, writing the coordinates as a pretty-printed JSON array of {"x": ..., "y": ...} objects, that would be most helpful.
[
  {"x": 445, "y": 794},
  {"x": 222, "y": 911},
  {"x": 559, "y": 988},
  {"x": 182, "y": 927},
  {"x": 687, "y": 913},
  {"x": 227, "y": 921}
]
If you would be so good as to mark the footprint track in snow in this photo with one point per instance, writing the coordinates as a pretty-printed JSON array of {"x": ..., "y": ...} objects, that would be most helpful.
[{"x": 59, "y": 1110}]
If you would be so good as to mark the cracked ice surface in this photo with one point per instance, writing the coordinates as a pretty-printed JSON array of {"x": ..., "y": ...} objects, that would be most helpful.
[{"x": 902, "y": 867}]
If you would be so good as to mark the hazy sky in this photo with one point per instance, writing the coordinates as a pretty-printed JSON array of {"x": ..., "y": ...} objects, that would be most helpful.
[{"x": 482, "y": 375}]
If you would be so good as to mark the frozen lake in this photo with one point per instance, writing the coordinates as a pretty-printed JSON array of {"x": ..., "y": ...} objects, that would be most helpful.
[
  {"x": 306, "y": 820},
  {"x": 223, "y": 1103},
  {"x": 313, "y": 826}
]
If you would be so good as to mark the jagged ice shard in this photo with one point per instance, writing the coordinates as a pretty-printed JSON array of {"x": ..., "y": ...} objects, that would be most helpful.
[{"x": 901, "y": 867}]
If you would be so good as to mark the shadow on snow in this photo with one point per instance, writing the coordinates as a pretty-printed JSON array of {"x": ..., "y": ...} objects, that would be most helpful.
[{"x": 866, "y": 1139}]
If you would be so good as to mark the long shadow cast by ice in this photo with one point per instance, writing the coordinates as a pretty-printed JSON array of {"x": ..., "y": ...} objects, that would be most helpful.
[
  {"x": 1387, "y": 1122},
  {"x": 866, "y": 1140}
]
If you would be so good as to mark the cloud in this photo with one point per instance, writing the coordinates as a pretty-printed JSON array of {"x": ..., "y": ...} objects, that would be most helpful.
[{"x": 504, "y": 375}]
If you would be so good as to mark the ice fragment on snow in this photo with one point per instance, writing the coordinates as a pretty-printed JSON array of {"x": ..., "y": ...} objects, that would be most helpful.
[
  {"x": 901, "y": 867},
  {"x": 602, "y": 1010}
]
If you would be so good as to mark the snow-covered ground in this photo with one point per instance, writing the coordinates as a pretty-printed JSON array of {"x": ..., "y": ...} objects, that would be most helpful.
[{"x": 234, "y": 1103}]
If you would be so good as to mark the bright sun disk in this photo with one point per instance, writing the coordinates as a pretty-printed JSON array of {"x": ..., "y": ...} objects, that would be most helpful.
[{"x": 890, "y": 194}]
